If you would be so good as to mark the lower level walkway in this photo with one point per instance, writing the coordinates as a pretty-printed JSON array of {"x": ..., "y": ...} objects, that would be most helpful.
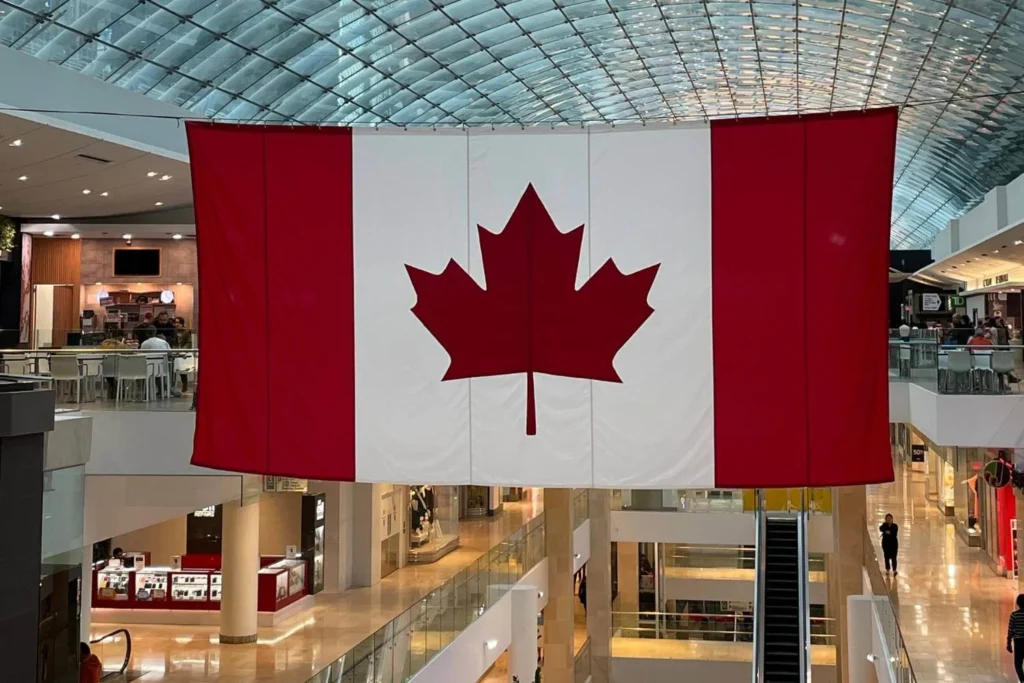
[
  {"x": 953, "y": 608},
  {"x": 303, "y": 645}
]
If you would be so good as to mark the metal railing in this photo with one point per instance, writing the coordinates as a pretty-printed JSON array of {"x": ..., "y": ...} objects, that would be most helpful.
[
  {"x": 580, "y": 507},
  {"x": 114, "y": 638},
  {"x": 888, "y": 620},
  {"x": 818, "y": 500},
  {"x": 111, "y": 378},
  {"x": 737, "y": 627},
  {"x": 957, "y": 369},
  {"x": 725, "y": 557},
  {"x": 581, "y": 664},
  {"x": 403, "y": 646}
]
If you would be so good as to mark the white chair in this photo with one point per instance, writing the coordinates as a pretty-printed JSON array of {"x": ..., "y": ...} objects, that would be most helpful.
[
  {"x": 108, "y": 368},
  {"x": 18, "y": 364},
  {"x": 131, "y": 369},
  {"x": 981, "y": 362},
  {"x": 92, "y": 371},
  {"x": 65, "y": 368},
  {"x": 1003, "y": 366},
  {"x": 958, "y": 365}
]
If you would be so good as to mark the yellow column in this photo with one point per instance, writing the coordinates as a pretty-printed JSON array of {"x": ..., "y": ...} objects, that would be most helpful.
[
  {"x": 558, "y": 614},
  {"x": 240, "y": 563},
  {"x": 599, "y": 584},
  {"x": 846, "y": 576}
]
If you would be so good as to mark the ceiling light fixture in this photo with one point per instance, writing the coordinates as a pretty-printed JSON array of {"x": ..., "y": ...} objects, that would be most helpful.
[
  {"x": 104, "y": 194},
  {"x": 178, "y": 283},
  {"x": 48, "y": 233},
  {"x": 166, "y": 177},
  {"x": 15, "y": 143},
  {"x": 151, "y": 174},
  {"x": 75, "y": 236},
  {"x": 98, "y": 284},
  {"x": 23, "y": 177},
  {"x": 158, "y": 203},
  {"x": 176, "y": 236},
  {"x": 55, "y": 216},
  {"x": 86, "y": 191},
  {"x": 1017, "y": 243},
  {"x": 126, "y": 236},
  {"x": 995, "y": 251}
]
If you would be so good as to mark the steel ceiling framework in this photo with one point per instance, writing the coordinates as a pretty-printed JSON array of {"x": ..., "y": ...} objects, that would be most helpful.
[{"x": 955, "y": 66}]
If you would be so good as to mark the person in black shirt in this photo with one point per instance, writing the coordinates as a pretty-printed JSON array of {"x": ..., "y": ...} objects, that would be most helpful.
[
  {"x": 1015, "y": 638},
  {"x": 890, "y": 543}
]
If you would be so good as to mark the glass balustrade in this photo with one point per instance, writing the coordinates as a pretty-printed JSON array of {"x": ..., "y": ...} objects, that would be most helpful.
[
  {"x": 819, "y": 500},
  {"x": 734, "y": 627},
  {"x": 401, "y": 648},
  {"x": 957, "y": 369}
]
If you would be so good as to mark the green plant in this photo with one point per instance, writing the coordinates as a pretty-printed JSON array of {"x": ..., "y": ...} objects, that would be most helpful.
[{"x": 6, "y": 234}]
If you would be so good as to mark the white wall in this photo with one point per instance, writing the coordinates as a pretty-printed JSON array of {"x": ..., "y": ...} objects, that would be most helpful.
[
  {"x": 580, "y": 545},
  {"x": 970, "y": 421},
  {"x": 43, "y": 315},
  {"x": 942, "y": 246},
  {"x": 70, "y": 442},
  {"x": 984, "y": 220},
  {"x": 142, "y": 442},
  {"x": 975, "y": 302},
  {"x": 118, "y": 505},
  {"x": 729, "y": 590},
  {"x": 710, "y": 528}
]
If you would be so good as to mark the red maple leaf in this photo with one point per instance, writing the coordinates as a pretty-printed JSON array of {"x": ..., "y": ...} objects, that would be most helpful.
[{"x": 531, "y": 318}]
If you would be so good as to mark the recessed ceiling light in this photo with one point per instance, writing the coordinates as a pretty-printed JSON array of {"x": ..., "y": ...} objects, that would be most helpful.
[
  {"x": 158, "y": 203},
  {"x": 151, "y": 174},
  {"x": 178, "y": 283},
  {"x": 86, "y": 191},
  {"x": 99, "y": 283},
  {"x": 104, "y": 194},
  {"x": 166, "y": 177},
  {"x": 176, "y": 236},
  {"x": 15, "y": 143},
  {"x": 48, "y": 233},
  {"x": 995, "y": 251},
  {"x": 55, "y": 216},
  {"x": 126, "y": 237},
  {"x": 1017, "y": 243},
  {"x": 75, "y": 236},
  {"x": 23, "y": 177}
]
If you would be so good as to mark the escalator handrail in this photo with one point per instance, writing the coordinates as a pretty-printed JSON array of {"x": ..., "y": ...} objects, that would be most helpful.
[
  {"x": 759, "y": 572},
  {"x": 127, "y": 650},
  {"x": 803, "y": 579}
]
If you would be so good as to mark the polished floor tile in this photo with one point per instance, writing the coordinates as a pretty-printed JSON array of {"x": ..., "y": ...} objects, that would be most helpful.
[
  {"x": 953, "y": 608},
  {"x": 303, "y": 645}
]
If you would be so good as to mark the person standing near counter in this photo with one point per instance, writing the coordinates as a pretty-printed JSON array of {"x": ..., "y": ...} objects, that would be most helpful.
[{"x": 182, "y": 340}]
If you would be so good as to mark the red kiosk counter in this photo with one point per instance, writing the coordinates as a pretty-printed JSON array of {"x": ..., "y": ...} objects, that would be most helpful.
[{"x": 280, "y": 584}]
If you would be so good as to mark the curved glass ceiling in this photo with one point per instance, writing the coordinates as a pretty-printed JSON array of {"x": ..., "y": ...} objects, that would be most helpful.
[{"x": 506, "y": 62}]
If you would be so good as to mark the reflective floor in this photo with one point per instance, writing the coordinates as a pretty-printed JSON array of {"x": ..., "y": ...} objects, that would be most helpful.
[
  {"x": 953, "y": 608},
  {"x": 299, "y": 647}
]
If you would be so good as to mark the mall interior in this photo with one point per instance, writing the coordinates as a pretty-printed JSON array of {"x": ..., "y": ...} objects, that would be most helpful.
[{"x": 172, "y": 572}]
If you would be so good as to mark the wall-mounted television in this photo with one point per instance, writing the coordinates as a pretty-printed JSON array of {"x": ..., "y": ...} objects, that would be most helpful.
[{"x": 131, "y": 262}]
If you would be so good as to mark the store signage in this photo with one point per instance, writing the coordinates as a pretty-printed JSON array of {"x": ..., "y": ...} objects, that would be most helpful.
[
  {"x": 987, "y": 282},
  {"x": 320, "y": 509},
  {"x": 931, "y": 302},
  {"x": 1000, "y": 279},
  {"x": 285, "y": 485},
  {"x": 917, "y": 452},
  {"x": 208, "y": 511},
  {"x": 955, "y": 301}
]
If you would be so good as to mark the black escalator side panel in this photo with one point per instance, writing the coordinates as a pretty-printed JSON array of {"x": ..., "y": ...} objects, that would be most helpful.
[{"x": 782, "y": 601}]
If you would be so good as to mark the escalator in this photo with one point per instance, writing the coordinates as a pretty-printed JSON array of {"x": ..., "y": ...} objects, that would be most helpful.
[{"x": 782, "y": 612}]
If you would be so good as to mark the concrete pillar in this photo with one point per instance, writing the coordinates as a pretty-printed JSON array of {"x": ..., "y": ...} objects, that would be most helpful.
[
  {"x": 559, "y": 653},
  {"x": 366, "y": 534},
  {"x": 86, "y": 621},
  {"x": 240, "y": 564},
  {"x": 846, "y": 570},
  {"x": 599, "y": 584},
  {"x": 629, "y": 577},
  {"x": 522, "y": 650}
]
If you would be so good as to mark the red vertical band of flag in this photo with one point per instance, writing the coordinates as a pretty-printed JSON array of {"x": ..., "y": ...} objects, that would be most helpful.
[
  {"x": 277, "y": 345},
  {"x": 800, "y": 229}
]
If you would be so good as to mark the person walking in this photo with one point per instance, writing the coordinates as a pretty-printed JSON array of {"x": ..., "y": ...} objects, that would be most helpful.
[
  {"x": 890, "y": 544},
  {"x": 1015, "y": 638},
  {"x": 90, "y": 669}
]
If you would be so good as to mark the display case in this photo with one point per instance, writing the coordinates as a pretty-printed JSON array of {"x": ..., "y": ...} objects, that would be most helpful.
[
  {"x": 151, "y": 584},
  {"x": 281, "y": 584},
  {"x": 114, "y": 585},
  {"x": 190, "y": 587},
  {"x": 215, "y": 586},
  {"x": 314, "y": 517},
  {"x": 433, "y": 522}
]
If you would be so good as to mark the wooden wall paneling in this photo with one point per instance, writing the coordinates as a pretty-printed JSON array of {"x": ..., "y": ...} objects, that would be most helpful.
[
  {"x": 65, "y": 313},
  {"x": 56, "y": 262}
]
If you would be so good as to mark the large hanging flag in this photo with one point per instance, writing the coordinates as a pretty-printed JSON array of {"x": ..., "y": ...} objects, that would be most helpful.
[{"x": 683, "y": 306}]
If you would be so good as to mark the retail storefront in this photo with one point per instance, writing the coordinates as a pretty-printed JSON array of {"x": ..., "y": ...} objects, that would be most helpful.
[{"x": 433, "y": 522}]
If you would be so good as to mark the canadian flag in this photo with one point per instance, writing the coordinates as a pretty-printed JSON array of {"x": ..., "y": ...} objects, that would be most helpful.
[{"x": 657, "y": 307}]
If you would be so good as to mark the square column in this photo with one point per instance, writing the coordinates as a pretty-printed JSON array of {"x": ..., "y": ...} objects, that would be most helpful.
[
  {"x": 599, "y": 584},
  {"x": 522, "y": 650},
  {"x": 846, "y": 570},
  {"x": 559, "y": 653}
]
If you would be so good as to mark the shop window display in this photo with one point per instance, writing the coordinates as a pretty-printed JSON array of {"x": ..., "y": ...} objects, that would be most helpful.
[{"x": 433, "y": 522}]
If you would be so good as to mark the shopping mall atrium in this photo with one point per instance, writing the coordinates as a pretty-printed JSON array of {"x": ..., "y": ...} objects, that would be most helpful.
[{"x": 542, "y": 340}]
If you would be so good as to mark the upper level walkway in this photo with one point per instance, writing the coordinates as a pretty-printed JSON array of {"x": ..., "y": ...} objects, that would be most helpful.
[
  {"x": 953, "y": 608},
  {"x": 303, "y": 645}
]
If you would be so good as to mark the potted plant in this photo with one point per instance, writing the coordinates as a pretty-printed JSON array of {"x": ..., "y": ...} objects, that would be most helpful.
[{"x": 7, "y": 237}]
